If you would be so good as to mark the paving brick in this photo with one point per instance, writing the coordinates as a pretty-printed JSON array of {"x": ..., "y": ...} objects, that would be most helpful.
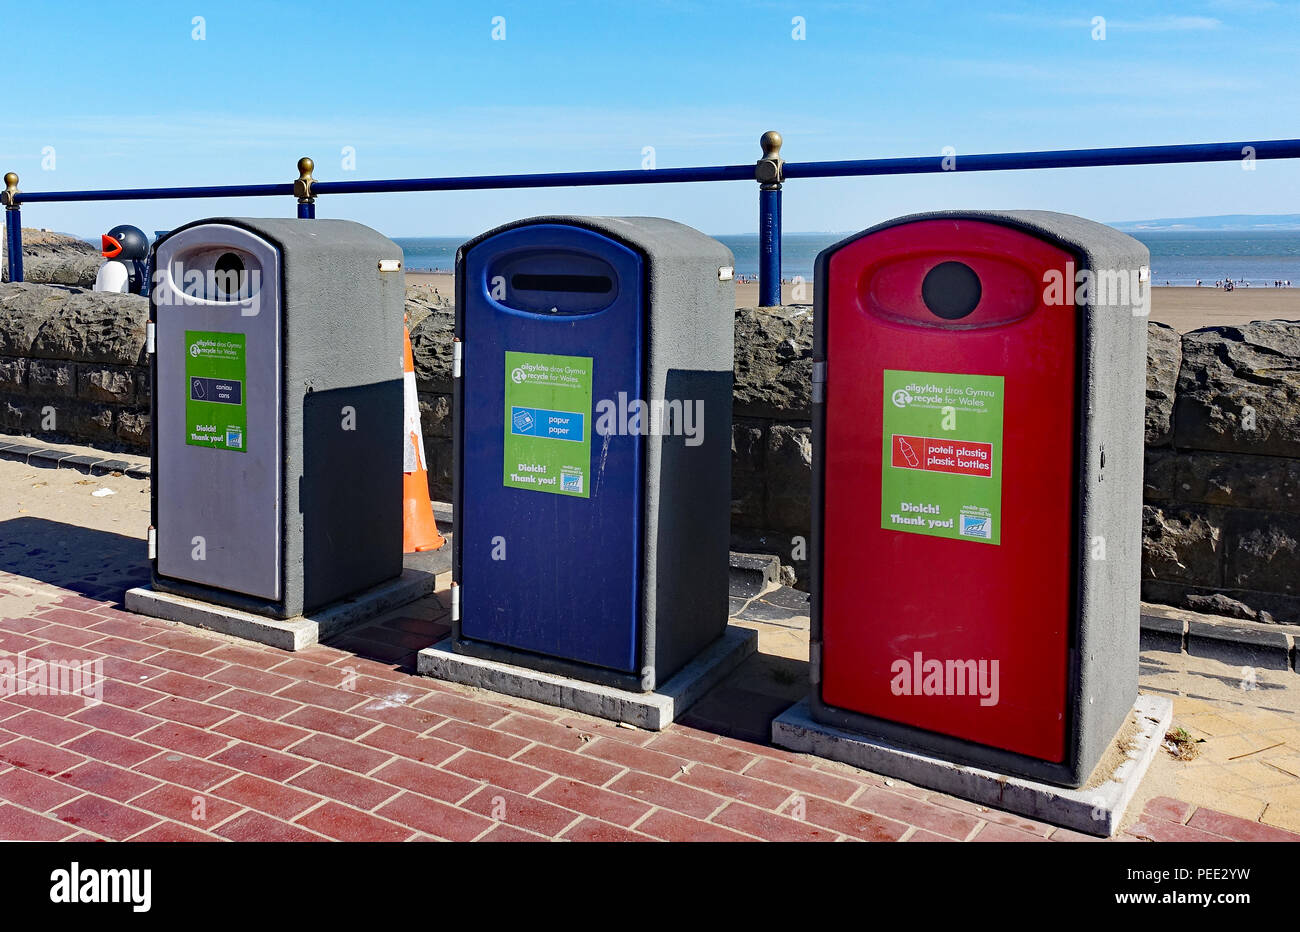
[
  {"x": 804, "y": 779},
  {"x": 508, "y": 774},
  {"x": 535, "y": 815},
  {"x": 1171, "y": 810},
  {"x": 104, "y": 817},
  {"x": 436, "y": 817},
  {"x": 845, "y": 820},
  {"x": 1236, "y": 828},
  {"x": 268, "y": 707},
  {"x": 634, "y": 757},
  {"x": 596, "y": 728},
  {"x": 185, "y": 738},
  {"x": 187, "y": 771},
  {"x": 129, "y": 650},
  {"x": 566, "y": 764},
  {"x": 181, "y": 684},
  {"x": 48, "y": 728},
  {"x": 172, "y": 833},
  {"x": 338, "y": 821},
  {"x": 922, "y": 835},
  {"x": 20, "y": 825},
  {"x": 673, "y": 826},
  {"x": 330, "y": 721},
  {"x": 418, "y": 748},
  {"x": 769, "y": 825},
  {"x": 185, "y": 641},
  {"x": 33, "y": 790},
  {"x": 112, "y": 749},
  {"x": 254, "y": 826},
  {"x": 593, "y": 801},
  {"x": 708, "y": 752},
  {"x": 595, "y": 830},
  {"x": 128, "y": 627},
  {"x": 330, "y": 750},
  {"x": 479, "y": 738},
  {"x": 192, "y": 664},
  {"x": 398, "y": 715},
  {"x": 668, "y": 793},
  {"x": 129, "y": 696},
  {"x": 426, "y": 780},
  {"x": 993, "y": 831},
  {"x": 113, "y": 719},
  {"x": 916, "y": 812},
  {"x": 187, "y": 806},
  {"x": 245, "y": 655},
  {"x": 300, "y": 668},
  {"x": 326, "y": 696},
  {"x": 251, "y": 678},
  {"x": 39, "y": 758},
  {"x": 186, "y": 711},
  {"x": 459, "y": 707},
  {"x": 735, "y": 786},
  {"x": 22, "y": 625},
  {"x": 259, "y": 731},
  {"x": 69, "y": 636},
  {"x": 69, "y": 617},
  {"x": 536, "y": 729},
  {"x": 509, "y": 833},
  {"x": 106, "y": 780},
  {"x": 261, "y": 761},
  {"x": 351, "y": 788},
  {"x": 1151, "y": 829},
  {"x": 266, "y": 796}
]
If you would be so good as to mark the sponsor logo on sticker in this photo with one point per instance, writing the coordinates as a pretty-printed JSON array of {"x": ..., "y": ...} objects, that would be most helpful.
[
  {"x": 570, "y": 480},
  {"x": 977, "y": 526},
  {"x": 235, "y": 439}
]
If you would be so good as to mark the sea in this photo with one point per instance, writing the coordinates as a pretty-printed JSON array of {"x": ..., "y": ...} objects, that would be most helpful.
[{"x": 1178, "y": 257}]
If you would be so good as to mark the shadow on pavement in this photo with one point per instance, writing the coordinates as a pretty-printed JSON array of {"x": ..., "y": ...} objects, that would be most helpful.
[{"x": 95, "y": 564}]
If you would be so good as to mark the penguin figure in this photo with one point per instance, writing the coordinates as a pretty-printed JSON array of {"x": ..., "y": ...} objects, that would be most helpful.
[{"x": 126, "y": 248}]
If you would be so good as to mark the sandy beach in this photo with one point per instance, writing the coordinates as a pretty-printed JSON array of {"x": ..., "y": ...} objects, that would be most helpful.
[{"x": 1182, "y": 308}]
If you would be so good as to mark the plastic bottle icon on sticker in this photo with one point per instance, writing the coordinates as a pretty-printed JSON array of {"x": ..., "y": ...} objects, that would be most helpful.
[{"x": 908, "y": 453}]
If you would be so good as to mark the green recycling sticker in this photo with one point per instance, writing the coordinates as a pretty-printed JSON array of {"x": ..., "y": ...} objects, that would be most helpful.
[
  {"x": 941, "y": 474},
  {"x": 216, "y": 410},
  {"x": 548, "y": 423}
]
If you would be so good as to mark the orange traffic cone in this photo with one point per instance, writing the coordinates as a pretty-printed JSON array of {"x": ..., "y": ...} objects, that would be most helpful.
[{"x": 419, "y": 530}]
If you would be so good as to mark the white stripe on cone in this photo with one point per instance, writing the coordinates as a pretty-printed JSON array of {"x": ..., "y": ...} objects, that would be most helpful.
[{"x": 413, "y": 444}]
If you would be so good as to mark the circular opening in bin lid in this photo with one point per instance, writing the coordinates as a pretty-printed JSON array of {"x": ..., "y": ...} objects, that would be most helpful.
[
  {"x": 229, "y": 275},
  {"x": 951, "y": 290}
]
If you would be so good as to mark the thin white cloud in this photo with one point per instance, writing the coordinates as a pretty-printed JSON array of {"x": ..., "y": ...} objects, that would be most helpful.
[{"x": 1168, "y": 23}]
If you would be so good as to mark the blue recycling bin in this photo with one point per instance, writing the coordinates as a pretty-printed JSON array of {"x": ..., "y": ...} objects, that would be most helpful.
[{"x": 592, "y": 440}]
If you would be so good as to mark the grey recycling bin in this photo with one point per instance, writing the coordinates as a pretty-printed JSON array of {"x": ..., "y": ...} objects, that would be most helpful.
[
  {"x": 593, "y": 446},
  {"x": 277, "y": 407}
]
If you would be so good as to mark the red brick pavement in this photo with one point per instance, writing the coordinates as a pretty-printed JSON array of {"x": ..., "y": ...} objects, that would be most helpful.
[{"x": 200, "y": 737}]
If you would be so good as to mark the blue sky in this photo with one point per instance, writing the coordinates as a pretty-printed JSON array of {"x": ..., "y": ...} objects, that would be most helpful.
[{"x": 128, "y": 98}]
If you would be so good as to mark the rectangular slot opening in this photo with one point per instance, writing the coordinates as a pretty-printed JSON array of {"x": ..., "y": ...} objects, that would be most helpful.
[{"x": 581, "y": 284}]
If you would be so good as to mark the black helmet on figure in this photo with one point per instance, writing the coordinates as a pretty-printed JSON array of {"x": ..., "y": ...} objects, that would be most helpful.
[{"x": 125, "y": 243}]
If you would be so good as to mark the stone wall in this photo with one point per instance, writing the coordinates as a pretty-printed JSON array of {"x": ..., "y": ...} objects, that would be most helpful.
[{"x": 1221, "y": 522}]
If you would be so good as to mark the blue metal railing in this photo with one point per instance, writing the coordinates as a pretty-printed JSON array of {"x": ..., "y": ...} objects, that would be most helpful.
[{"x": 770, "y": 172}]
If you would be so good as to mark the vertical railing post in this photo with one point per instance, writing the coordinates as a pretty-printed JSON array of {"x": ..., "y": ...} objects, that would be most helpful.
[
  {"x": 302, "y": 189},
  {"x": 769, "y": 175},
  {"x": 13, "y": 227}
]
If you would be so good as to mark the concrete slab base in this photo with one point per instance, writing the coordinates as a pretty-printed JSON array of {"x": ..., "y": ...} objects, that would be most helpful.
[
  {"x": 654, "y": 711},
  {"x": 1094, "y": 810},
  {"x": 418, "y": 579}
]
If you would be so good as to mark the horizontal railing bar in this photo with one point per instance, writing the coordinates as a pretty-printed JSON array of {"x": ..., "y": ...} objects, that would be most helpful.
[
  {"x": 1061, "y": 158},
  {"x": 1002, "y": 161}
]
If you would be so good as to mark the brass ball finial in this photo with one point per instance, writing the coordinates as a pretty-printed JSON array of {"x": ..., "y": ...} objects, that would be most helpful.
[
  {"x": 8, "y": 197},
  {"x": 769, "y": 171},
  {"x": 771, "y": 143},
  {"x": 11, "y": 179},
  {"x": 302, "y": 186}
]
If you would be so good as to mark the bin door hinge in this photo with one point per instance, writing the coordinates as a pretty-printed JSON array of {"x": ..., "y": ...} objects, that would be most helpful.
[
  {"x": 149, "y": 338},
  {"x": 455, "y": 601},
  {"x": 819, "y": 383},
  {"x": 455, "y": 358},
  {"x": 153, "y": 542}
]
